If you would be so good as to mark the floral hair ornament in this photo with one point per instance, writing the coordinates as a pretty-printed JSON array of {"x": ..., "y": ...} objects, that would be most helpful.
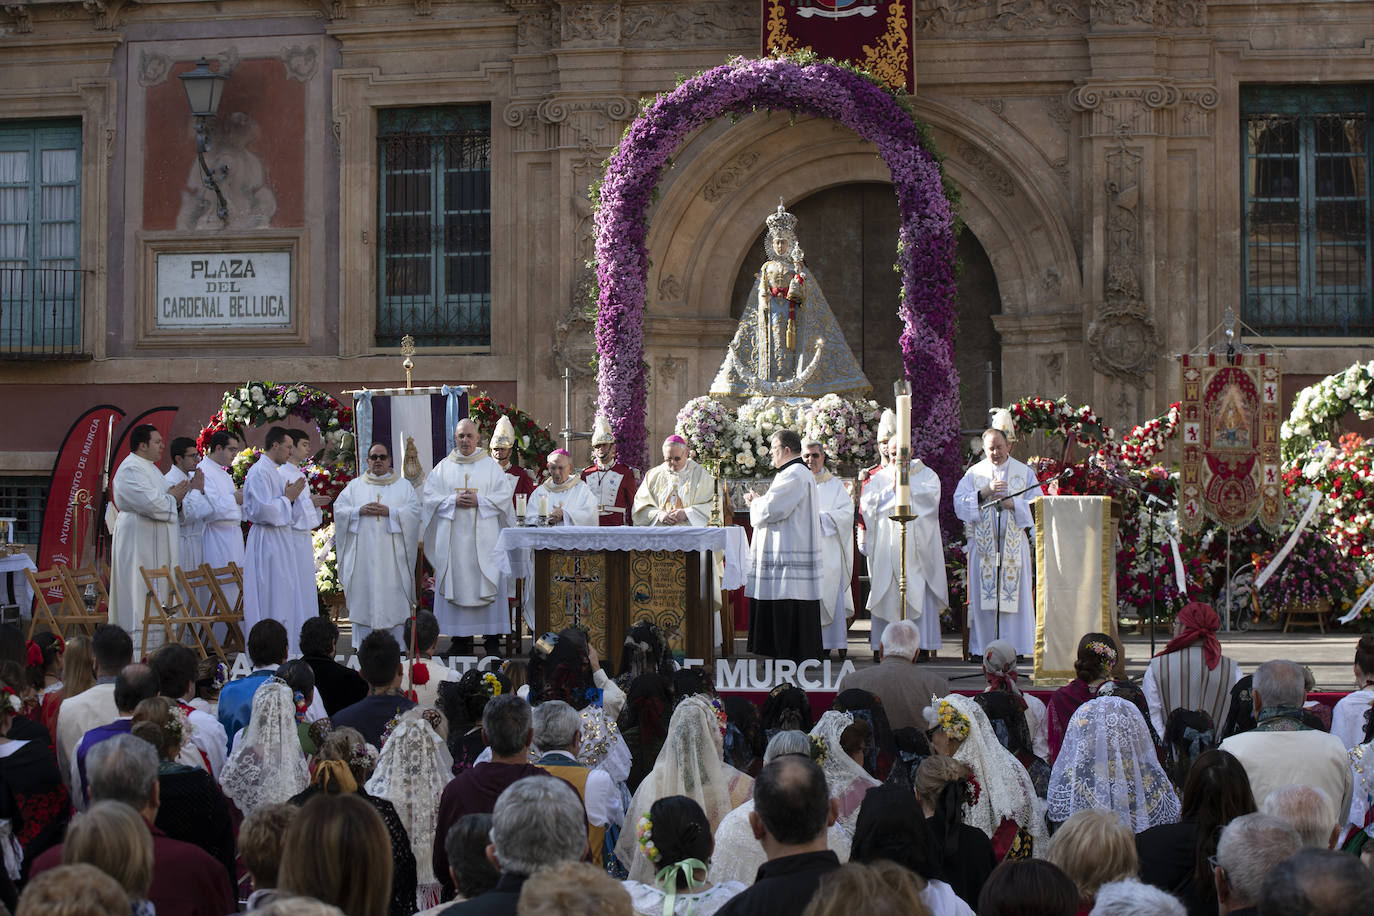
[
  {"x": 177, "y": 728},
  {"x": 820, "y": 749},
  {"x": 721, "y": 718},
  {"x": 491, "y": 685},
  {"x": 951, "y": 721},
  {"x": 362, "y": 756},
  {"x": 1105, "y": 652},
  {"x": 644, "y": 833},
  {"x": 34, "y": 655},
  {"x": 973, "y": 790},
  {"x": 11, "y": 699},
  {"x": 301, "y": 704},
  {"x": 221, "y": 675}
]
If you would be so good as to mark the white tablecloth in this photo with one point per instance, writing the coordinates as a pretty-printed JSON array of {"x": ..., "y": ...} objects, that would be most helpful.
[
  {"x": 515, "y": 544},
  {"x": 14, "y": 585}
]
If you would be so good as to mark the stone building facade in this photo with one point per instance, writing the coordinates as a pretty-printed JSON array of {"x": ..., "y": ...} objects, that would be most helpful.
[{"x": 1100, "y": 147}]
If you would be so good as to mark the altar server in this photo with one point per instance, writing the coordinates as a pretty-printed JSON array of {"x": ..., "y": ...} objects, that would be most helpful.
[
  {"x": 836, "y": 509},
  {"x": 613, "y": 482},
  {"x": 467, "y": 501},
  {"x": 926, "y": 590},
  {"x": 195, "y": 508},
  {"x": 145, "y": 530},
  {"x": 677, "y": 492},
  {"x": 1001, "y": 603},
  {"x": 377, "y": 533},
  {"x": 503, "y": 450},
  {"x": 224, "y": 525},
  {"x": 270, "y": 569},
  {"x": 306, "y": 518},
  {"x": 784, "y": 581}
]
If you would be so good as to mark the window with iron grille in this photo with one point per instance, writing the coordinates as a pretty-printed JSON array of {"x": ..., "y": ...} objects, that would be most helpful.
[
  {"x": 1306, "y": 210},
  {"x": 40, "y": 212},
  {"x": 22, "y": 499},
  {"x": 435, "y": 226}
]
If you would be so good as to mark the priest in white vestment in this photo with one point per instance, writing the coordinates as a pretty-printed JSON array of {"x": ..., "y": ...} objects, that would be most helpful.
[
  {"x": 377, "y": 535},
  {"x": 145, "y": 530},
  {"x": 564, "y": 499},
  {"x": 677, "y": 492},
  {"x": 836, "y": 509},
  {"x": 1000, "y": 606},
  {"x": 270, "y": 570},
  {"x": 306, "y": 518},
  {"x": 224, "y": 525},
  {"x": 466, "y": 503},
  {"x": 784, "y": 580},
  {"x": 927, "y": 593},
  {"x": 195, "y": 508}
]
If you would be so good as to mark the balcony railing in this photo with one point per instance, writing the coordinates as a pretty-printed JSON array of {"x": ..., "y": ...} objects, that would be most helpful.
[{"x": 40, "y": 313}]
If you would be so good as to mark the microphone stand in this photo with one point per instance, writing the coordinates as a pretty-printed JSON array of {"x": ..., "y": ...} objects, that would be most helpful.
[
  {"x": 1152, "y": 502},
  {"x": 994, "y": 501}
]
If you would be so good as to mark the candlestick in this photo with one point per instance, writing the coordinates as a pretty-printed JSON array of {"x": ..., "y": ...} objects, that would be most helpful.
[
  {"x": 902, "y": 396},
  {"x": 521, "y": 502}
]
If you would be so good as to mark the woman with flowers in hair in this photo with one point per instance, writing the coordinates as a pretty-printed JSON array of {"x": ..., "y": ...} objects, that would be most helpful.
[
  {"x": 692, "y": 763},
  {"x": 462, "y": 702},
  {"x": 1097, "y": 657},
  {"x": 267, "y": 764},
  {"x": 675, "y": 838},
  {"x": 344, "y": 764},
  {"x": 945, "y": 787},
  {"x": 1005, "y": 806},
  {"x": 847, "y": 780},
  {"x": 44, "y": 661},
  {"x": 34, "y": 804},
  {"x": 192, "y": 808}
]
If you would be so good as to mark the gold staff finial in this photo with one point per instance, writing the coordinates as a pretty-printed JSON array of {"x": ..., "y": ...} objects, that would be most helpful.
[{"x": 408, "y": 350}]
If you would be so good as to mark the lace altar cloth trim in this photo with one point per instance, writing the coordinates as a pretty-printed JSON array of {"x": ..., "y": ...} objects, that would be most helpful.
[{"x": 515, "y": 544}]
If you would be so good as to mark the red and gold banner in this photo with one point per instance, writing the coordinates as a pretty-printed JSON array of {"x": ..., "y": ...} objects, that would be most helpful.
[
  {"x": 74, "y": 493},
  {"x": 877, "y": 35},
  {"x": 1230, "y": 420}
]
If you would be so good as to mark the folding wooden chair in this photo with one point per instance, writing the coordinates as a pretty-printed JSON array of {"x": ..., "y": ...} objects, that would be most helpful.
[
  {"x": 61, "y": 614},
  {"x": 167, "y": 611},
  {"x": 200, "y": 617},
  {"x": 96, "y": 579},
  {"x": 229, "y": 613}
]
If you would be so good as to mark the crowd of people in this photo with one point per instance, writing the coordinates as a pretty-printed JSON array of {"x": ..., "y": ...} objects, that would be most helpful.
[{"x": 556, "y": 784}]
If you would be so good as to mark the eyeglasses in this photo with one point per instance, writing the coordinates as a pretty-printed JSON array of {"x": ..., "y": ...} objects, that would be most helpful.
[{"x": 378, "y": 457}]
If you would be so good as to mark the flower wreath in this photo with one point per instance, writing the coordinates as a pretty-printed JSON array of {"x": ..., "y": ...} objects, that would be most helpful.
[
  {"x": 1145, "y": 442},
  {"x": 645, "y": 835},
  {"x": 1318, "y": 409},
  {"x": 926, "y": 201},
  {"x": 1059, "y": 418},
  {"x": 951, "y": 721},
  {"x": 257, "y": 403}
]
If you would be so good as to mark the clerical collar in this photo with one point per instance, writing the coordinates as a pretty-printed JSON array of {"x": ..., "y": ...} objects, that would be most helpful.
[
  {"x": 459, "y": 458},
  {"x": 562, "y": 487},
  {"x": 824, "y": 476},
  {"x": 796, "y": 460},
  {"x": 371, "y": 478}
]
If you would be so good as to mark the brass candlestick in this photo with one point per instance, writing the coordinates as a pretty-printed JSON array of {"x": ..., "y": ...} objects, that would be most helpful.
[
  {"x": 901, "y": 517},
  {"x": 408, "y": 350},
  {"x": 717, "y": 520}
]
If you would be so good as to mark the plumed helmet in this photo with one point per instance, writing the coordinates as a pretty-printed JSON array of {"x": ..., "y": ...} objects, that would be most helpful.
[
  {"x": 504, "y": 434},
  {"x": 887, "y": 426},
  {"x": 601, "y": 432},
  {"x": 1002, "y": 421}
]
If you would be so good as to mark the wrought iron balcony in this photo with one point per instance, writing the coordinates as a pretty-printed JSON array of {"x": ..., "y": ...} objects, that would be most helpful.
[{"x": 40, "y": 314}]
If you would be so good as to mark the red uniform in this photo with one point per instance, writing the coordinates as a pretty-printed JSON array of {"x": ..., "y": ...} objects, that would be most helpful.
[
  {"x": 615, "y": 491},
  {"x": 524, "y": 484}
]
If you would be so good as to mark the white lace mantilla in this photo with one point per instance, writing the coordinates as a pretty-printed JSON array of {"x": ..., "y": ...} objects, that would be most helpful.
[{"x": 516, "y": 544}]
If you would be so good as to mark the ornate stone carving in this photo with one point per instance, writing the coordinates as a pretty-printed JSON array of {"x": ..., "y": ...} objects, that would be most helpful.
[
  {"x": 996, "y": 106},
  {"x": 655, "y": 22},
  {"x": 152, "y": 68},
  {"x": 1052, "y": 364},
  {"x": 670, "y": 289},
  {"x": 591, "y": 22},
  {"x": 1061, "y": 168},
  {"x": 422, "y": 7},
  {"x": 107, "y": 12},
  {"x": 1195, "y": 115},
  {"x": 23, "y": 21},
  {"x": 730, "y": 176},
  {"x": 580, "y": 122},
  {"x": 1059, "y": 112},
  {"x": 1123, "y": 12},
  {"x": 1124, "y": 109},
  {"x": 945, "y": 16},
  {"x": 574, "y": 341},
  {"x": 301, "y": 62},
  {"x": 574, "y": 331},
  {"x": 669, "y": 367},
  {"x": 1052, "y": 281},
  {"x": 1123, "y": 344},
  {"x": 330, "y": 9},
  {"x": 996, "y": 176},
  {"x": 534, "y": 25},
  {"x": 1122, "y": 338}
]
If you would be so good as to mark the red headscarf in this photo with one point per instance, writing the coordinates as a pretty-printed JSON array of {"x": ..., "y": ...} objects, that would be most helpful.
[{"x": 1199, "y": 622}]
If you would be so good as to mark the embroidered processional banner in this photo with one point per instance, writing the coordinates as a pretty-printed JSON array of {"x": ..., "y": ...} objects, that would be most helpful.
[
  {"x": 421, "y": 419},
  {"x": 876, "y": 35},
  {"x": 1230, "y": 427}
]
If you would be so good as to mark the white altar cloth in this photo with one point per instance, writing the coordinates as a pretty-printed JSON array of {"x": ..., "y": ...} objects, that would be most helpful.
[
  {"x": 14, "y": 585},
  {"x": 516, "y": 544}
]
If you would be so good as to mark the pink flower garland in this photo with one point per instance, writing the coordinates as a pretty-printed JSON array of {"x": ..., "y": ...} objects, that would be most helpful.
[{"x": 925, "y": 249}]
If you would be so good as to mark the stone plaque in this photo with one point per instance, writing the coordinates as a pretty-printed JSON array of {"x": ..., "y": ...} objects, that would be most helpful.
[{"x": 223, "y": 290}]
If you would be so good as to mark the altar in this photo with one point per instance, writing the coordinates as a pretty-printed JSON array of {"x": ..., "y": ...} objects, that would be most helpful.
[{"x": 608, "y": 579}]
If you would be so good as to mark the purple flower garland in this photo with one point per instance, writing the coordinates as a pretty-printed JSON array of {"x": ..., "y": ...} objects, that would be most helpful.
[{"x": 925, "y": 248}]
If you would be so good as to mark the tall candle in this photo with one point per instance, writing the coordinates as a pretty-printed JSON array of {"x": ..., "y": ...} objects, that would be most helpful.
[{"x": 903, "y": 456}]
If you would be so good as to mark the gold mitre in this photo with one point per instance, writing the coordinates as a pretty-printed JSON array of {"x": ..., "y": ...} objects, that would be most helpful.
[
  {"x": 504, "y": 434},
  {"x": 1002, "y": 421},
  {"x": 887, "y": 425},
  {"x": 601, "y": 432}
]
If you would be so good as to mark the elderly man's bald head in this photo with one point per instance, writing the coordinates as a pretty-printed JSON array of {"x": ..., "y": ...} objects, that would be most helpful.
[{"x": 467, "y": 436}]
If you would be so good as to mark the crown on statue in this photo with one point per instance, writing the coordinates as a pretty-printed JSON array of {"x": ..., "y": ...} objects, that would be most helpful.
[{"x": 782, "y": 222}]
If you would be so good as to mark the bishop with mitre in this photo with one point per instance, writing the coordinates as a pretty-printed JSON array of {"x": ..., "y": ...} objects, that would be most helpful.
[{"x": 377, "y": 530}]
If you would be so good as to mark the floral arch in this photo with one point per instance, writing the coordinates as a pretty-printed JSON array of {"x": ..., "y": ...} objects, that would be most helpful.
[{"x": 925, "y": 249}]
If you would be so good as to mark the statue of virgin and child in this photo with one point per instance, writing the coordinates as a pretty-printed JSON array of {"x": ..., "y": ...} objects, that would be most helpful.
[{"x": 788, "y": 343}]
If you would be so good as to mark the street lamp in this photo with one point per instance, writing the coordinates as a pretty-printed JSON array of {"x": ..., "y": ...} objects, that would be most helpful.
[{"x": 204, "y": 88}]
